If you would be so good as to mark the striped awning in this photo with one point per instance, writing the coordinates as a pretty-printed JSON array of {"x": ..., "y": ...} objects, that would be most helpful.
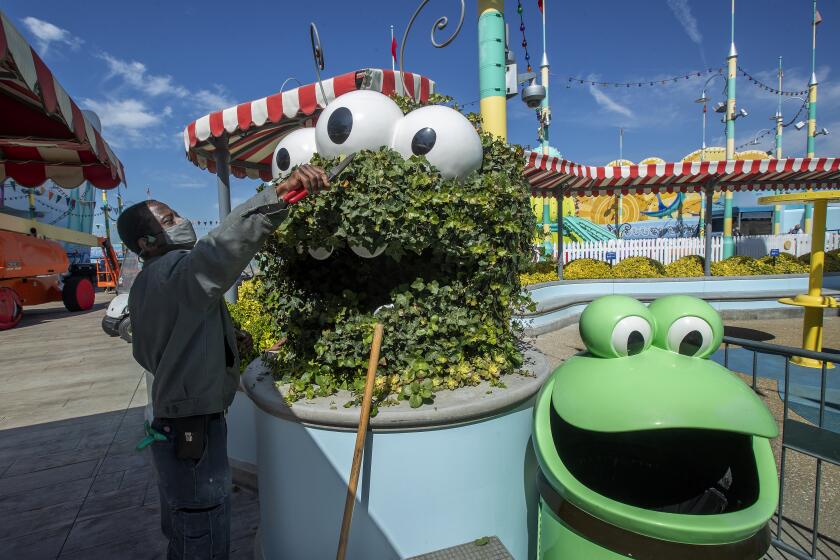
[
  {"x": 253, "y": 129},
  {"x": 43, "y": 133},
  {"x": 549, "y": 176}
]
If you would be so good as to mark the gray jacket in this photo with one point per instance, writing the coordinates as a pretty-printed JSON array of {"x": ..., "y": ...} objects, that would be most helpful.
[{"x": 182, "y": 332}]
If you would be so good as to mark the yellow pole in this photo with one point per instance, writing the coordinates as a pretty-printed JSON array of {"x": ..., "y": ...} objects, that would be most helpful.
[
  {"x": 814, "y": 301},
  {"x": 812, "y": 330},
  {"x": 491, "y": 62}
]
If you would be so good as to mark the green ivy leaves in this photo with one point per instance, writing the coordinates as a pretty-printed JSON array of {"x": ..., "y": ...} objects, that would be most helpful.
[{"x": 450, "y": 268}]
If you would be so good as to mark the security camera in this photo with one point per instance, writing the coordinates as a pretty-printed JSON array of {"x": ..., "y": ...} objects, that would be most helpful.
[{"x": 533, "y": 95}]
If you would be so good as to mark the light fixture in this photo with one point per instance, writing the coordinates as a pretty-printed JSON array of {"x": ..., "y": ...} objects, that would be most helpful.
[
  {"x": 822, "y": 132},
  {"x": 740, "y": 113},
  {"x": 702, "y": 98},
  {"x": 800, "y": 125},
  {"x": 720, "y": 107}
]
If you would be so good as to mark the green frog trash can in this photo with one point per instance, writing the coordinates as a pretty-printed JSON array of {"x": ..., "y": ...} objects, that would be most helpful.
[{"x": 646, "y": 448}]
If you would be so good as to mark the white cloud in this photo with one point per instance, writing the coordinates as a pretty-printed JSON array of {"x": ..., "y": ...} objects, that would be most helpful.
[
  {"x": 136, "y": 75},
  {"x": 682, "y": 11},
  {"x": 212, "y": 100},
  {"x": 609, "y": 104},
  {"x": 132, "y": 114},
  {"x": 197, "y": 180},
  {"x": 129, "y": 121},
  {"x": 46, "y": 33}
]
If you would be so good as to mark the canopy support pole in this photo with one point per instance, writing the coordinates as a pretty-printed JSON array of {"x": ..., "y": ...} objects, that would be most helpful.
[
  {"x": 707, "y": 258},
  {"x": 560, "y": 198},
  {"x": 222, "y": 157}
]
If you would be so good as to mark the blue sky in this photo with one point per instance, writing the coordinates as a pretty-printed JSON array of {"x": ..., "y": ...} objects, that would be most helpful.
[{"x": 149, "y": 68}]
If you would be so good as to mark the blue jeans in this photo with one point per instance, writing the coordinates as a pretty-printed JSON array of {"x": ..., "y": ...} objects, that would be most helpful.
[{"x": 194, "y": 495}]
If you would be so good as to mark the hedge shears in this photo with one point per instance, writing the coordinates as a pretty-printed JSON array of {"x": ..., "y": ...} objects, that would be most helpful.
[{"x": 299, "y": 193}]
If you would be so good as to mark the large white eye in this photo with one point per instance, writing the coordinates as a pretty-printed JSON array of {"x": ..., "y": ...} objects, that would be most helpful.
[
  {"x": 444, "y": 136},
  {"x": 296, "y": 148},
  {"x": 631, "y": 335},
  {"x": 690, "y": 336},
  {"x": 358, "y": 120}
]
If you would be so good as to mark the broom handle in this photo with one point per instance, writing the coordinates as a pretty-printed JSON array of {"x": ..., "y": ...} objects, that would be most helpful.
[{"x": 364, "y": 417}]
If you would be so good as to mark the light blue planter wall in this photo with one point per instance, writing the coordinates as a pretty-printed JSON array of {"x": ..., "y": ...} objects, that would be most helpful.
[
  {"x": 242, "y": 433},
  {"x": 420, "y": 491},
  {"x": 559, "y": 302}
]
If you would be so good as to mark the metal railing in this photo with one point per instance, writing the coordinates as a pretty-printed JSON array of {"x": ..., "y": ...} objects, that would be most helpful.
[{"x": 814, "y": 441}]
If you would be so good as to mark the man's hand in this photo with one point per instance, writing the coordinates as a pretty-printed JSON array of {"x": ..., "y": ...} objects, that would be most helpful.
[
  {"x": 244, "y": 342},
  {"x": 303, "y": 180}
]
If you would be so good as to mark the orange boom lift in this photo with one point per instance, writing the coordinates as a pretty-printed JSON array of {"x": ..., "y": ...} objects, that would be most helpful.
[{"x": 34, "y": 268}]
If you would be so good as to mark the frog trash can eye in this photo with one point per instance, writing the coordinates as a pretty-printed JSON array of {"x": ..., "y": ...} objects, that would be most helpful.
[{"x": 648, "y": 449}]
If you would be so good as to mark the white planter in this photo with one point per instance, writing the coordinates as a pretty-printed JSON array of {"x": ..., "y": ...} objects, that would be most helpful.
[{"x": 432, "y": 477}]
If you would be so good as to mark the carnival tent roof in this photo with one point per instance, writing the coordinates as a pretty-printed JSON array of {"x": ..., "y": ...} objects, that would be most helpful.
[
  {"x": 551, "y": 175},
  {"x": 253, "y": 129},
  {"x": 43, "y": 133}
]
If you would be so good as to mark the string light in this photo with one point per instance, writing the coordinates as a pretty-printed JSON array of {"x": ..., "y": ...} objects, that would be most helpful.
[
  {"x": 524, "y": 39},
  {"x": 765, "y": 87},
  {"x": 754, "y": 141},
  {"x": 576, "y": 81}
]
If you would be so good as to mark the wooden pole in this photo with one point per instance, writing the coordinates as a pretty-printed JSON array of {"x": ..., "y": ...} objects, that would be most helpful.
[{"x": 361, "y": 434}]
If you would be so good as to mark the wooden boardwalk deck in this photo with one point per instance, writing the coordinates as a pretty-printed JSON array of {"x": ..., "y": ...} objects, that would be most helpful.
[{"x": 71, "y": 411}]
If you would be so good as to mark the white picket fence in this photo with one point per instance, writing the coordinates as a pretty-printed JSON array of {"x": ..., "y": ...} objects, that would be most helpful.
[{"x": 667, "y": 250}]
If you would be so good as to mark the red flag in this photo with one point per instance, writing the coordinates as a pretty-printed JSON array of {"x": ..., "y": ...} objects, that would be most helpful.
[
  {"x": 540, "y": 5},
  {"x": 394, "y": 48}
]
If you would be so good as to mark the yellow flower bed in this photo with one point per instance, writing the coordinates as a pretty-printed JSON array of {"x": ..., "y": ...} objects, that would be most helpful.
[
  {"x": 685, "y": 267},
  {"x": 248, "y": 315}
]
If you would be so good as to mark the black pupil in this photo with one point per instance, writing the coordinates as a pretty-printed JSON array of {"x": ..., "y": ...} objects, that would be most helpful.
[
  {"x": 283, "y": 159},
  {"x": 635, "y": 343},
  {"x": 423, "y": 141},
  {"x": 691, "y": 343},
  {"x": 340, "y": 125}
]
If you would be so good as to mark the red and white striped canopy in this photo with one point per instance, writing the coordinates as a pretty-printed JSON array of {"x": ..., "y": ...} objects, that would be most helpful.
[
  {"x": 549, "y": 176},
  {"x": 253, "y": 129},
  {"x": 43, "y": 133}
]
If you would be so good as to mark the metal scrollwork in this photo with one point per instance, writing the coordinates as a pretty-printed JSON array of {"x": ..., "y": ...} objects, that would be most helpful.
[
  {"x": 439, "y": 24},
  {"x": 318, "y": 55}
]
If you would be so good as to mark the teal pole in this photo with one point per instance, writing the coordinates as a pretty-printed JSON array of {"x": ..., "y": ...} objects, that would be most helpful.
[
  {"x": 546, "y": 222},
  {"x": 545, "y": 111},
  {"x": 491, "y": 67},
  {"x": 777, "y": 209},
  {"x": 732, "y": 65}
]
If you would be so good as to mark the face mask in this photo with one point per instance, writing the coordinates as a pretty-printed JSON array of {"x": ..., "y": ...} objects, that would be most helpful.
[{"x": 181, "y": 234}]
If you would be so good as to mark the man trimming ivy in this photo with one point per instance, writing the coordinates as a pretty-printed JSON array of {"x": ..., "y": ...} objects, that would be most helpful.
[{"x": 183, "y": 335}]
